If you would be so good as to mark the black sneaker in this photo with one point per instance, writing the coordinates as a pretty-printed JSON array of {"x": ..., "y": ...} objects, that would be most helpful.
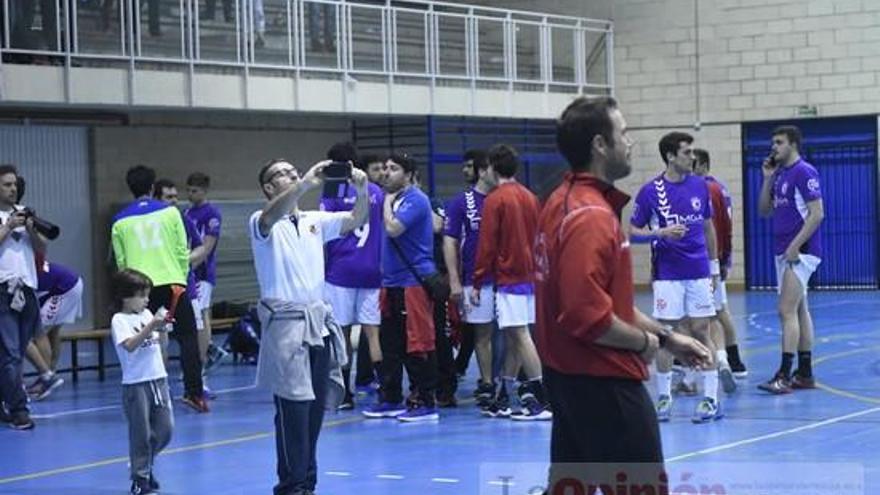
[
  {"x": 43, "y": 388},
  {"x": 499, "y": 408},
  {"x": 739, "y": 370},
  {"x": 21, "y": 421},
  {"x": 484, "y": 394},
  {"x": 154, "y": 484},
  {"x": 347, "y": 402},
  {"x": 141, "y": 487}
]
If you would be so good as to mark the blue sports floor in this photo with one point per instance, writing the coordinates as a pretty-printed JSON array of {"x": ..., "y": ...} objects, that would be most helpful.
[{"x": 79, "y": 446}]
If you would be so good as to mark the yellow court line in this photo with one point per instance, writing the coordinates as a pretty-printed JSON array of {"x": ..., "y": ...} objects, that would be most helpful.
[
  {"x": 176, "y": 450},
  {"x": 840, "y": 392}
]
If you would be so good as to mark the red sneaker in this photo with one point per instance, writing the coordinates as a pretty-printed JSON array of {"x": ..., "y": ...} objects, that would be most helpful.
[{"x": 777, "y": 385}]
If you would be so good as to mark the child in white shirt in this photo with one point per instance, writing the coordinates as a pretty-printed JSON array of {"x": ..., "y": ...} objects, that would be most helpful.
[{"x": 145, "y": 397}]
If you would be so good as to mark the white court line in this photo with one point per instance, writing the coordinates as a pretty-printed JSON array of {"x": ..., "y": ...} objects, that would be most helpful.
[
  {"x": 770, "y": 436},
  {"x": 74, "y": 412},
  {"x": 337, "y": 473},
  {"x": 389, "y": 476},
  {"x": 235, "y": 389},
  {"x": 444, "y": 480},
  {"x": 812, "y": 306},
  {"x": 502, "y": 483}
]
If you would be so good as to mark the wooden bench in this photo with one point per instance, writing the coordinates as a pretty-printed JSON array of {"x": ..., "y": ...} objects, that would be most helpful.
[{"x": 96, "y": 336}]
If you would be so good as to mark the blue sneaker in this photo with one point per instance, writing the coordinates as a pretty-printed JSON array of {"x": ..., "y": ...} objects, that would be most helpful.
[
  {"x": 664, "y": 408},
  {"x": 384, "y": 410},
  {"x": 419, "y": 413},
  {"x": 707, "y": 410}
]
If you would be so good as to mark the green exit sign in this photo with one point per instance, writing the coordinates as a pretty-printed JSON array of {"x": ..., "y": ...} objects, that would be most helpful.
[{"x": 807, "y": 111}]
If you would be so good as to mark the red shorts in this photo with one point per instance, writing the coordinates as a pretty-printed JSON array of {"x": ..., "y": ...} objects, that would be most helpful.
[{"x": 419, "y": 318}]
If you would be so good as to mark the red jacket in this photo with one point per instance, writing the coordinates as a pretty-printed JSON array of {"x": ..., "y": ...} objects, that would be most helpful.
[
  {"x": 507, "y": 236},
  {"x": 584, "y": 277},
  {"x": 722, "y": 222}
]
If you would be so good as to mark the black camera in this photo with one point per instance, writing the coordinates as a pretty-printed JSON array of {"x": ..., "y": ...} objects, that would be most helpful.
[
  {"x": 336, "y": 176},
  {"x": 45, "y": 227},
  {"x": 337, "y": 171}
]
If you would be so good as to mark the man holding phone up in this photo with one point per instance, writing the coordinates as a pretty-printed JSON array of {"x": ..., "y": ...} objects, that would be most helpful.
[
  {"x": 792, "y": 195},
  {"x": 301, "y": 345}
]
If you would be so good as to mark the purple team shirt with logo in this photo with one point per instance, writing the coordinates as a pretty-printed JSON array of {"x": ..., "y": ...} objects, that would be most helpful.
[
  {"x": 354, "y": 260},
  {"x": 412, "y": 208},
  {"x": 661, "y": 203},
  {"x": 193, "y": 240},
  {"x": 207, "y": 219},
  {"x": 793, "y": 188},
  {"x": 463, "y": 215},
  {"x": 54, "y": 279}
]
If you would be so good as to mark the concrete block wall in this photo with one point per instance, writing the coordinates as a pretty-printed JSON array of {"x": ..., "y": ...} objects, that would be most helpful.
[{"x": 723, "y": 62}]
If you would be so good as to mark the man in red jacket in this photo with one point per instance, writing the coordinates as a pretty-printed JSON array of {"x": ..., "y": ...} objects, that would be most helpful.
[
  {"x": 504, "y": 255},
  {"x": 593, "y": 342}
]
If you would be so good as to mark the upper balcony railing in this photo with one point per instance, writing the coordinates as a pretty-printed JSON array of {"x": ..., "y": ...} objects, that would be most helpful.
[{"x": 437, "y": 42}]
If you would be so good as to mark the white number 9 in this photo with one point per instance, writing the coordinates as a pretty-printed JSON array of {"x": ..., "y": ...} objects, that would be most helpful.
[{"x": 362, "y": 233}]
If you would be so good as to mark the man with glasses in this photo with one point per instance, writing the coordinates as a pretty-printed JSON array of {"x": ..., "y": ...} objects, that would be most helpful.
[{"x": 302, "y": 347}]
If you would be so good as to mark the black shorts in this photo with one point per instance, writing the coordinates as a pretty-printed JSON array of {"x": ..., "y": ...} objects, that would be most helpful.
[{"x": 601, "y": 427}]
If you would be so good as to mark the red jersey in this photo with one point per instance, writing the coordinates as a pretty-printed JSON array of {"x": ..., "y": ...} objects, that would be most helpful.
[
  {"x": 721, "y": 221},
  {"x": 584, "y": 277},
  {"x": 507, "y": 236}
]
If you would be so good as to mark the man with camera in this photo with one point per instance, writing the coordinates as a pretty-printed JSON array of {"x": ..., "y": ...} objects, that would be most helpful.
[
  {"x": 301, "y": 344},
  {"x": 19, "y": 310}
]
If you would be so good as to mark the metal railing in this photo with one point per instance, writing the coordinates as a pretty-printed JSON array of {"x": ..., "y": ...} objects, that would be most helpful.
[{"x": 438, "y": 42}]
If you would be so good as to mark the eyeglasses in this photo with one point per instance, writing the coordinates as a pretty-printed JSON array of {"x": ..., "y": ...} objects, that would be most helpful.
[{"x": 290, "y": 172}]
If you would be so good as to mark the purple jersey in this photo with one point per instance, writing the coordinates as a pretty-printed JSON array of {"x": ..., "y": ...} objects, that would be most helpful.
[
  {"x": 354, "y": 260},
  {"x": 793, "y": 188},
  {"x": 661, "y": 203},
  {"x": 193, "y": 240},
  {"x": 207, "y": 219},
  {"x": 412, "y": 208},
  {"x": 463, "y": 215},
  {"x": 54, "y": 279}
]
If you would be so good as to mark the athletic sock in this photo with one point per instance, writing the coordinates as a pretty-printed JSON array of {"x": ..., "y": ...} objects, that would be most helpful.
[
  {"x": 733, "y": 354},
  {"x": 805, "y": 364},
  {"x": 785, "y": 367},
  {"x": 710, "y": 384},
  {"x": 47, "y": 376},
  {"x": 690, "y": 376},
  {"x": 664, "y": 383},
  {"x": 721, "y": 359}
]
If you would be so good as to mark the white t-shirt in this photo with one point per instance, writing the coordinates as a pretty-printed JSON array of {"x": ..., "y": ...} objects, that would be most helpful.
[
  {"x": 145, "y": 362},
  {"x": 290, "y": 260},
  {"x": 17, "y": 255}
]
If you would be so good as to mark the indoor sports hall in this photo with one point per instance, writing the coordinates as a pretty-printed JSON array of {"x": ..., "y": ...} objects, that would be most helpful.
[{"x": 216, "y": 106}]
